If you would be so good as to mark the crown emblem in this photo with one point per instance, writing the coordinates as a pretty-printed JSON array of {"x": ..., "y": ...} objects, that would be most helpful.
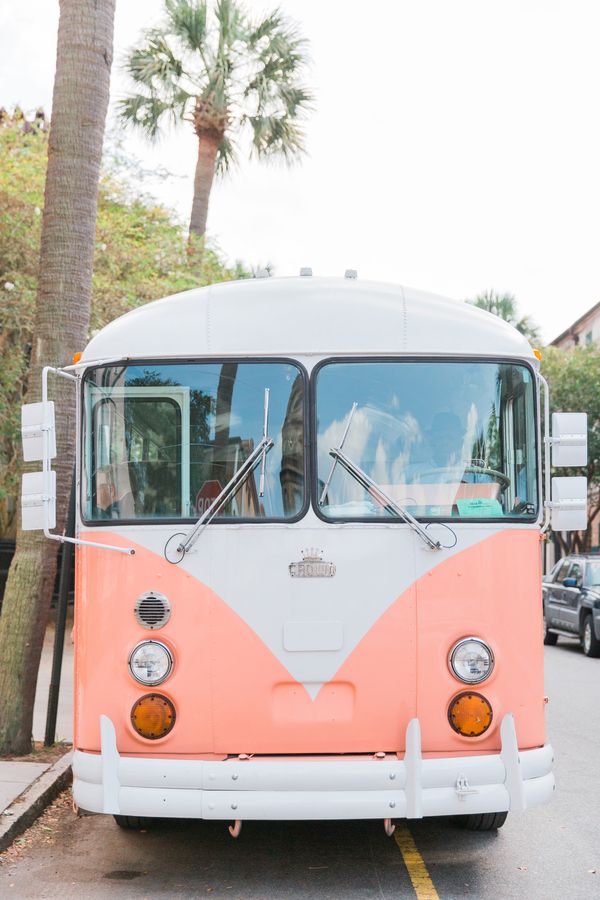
[
  {"x": 312, "y": 565},
  {"x": 312, "y": 554}
]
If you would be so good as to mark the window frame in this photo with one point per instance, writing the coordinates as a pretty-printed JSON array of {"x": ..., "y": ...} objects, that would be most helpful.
[
  {"x": 531, "y": 519},
  {"x": 94, "y": 410},
  {"x": 180, "y": 361}
]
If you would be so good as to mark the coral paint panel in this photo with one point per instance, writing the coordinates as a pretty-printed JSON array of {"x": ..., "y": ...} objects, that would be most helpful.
[{"x": 491, "y": 591}]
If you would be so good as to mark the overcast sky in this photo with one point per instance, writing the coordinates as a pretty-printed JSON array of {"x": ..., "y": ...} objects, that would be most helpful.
[{"x": 455, "y": 146}]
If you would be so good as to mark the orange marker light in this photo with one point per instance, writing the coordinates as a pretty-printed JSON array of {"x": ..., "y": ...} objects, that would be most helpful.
[
  {"x": 76, "y": 357},
  {"x": 537, "y": 354},
  {"x": 153, "y": 716},
  {"x": 470, "y": 714}
]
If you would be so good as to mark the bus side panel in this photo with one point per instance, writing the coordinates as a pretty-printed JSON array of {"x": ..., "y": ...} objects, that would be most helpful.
[{"x": 491, "y": 590}]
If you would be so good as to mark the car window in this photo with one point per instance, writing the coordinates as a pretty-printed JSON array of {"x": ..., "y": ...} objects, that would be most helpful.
[
  {"x": 576, "y": 572},
  {"x": 553, "y": 573},
  {"x": 592, "y": 574},
  {"x": 563, "y": 571}
]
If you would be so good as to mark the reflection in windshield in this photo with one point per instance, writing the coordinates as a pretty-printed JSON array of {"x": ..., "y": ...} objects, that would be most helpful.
[
  {"x": 442, "y": 439},
  {"x": 163, "y": 440}
]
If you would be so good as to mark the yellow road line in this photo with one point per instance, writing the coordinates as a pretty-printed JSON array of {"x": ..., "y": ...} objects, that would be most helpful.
[{"x": 415, "y": 864}]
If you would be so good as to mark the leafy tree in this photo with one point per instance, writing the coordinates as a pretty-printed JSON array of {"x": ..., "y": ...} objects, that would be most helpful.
[
  {"x": 505, "y": 306},
  {"x": 574, "y": 380},
  {"x": 211, "y": 66},
  {"x": 140, "y": 255}
]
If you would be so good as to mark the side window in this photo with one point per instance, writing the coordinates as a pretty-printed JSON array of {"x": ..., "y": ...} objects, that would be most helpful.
[
  {"x": 576, "y": 572},
  {"x": 136, "y": 458},
  {"x": 563, "y": 571}
]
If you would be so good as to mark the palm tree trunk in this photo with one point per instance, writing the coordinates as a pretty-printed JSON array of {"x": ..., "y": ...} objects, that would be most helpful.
[
  {"x": 80, "y": 101},
  {"x": 208, "y": 145}
]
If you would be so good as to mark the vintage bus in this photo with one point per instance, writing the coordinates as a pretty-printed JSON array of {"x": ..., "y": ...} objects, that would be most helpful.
[{"x": 308, "y": 562}]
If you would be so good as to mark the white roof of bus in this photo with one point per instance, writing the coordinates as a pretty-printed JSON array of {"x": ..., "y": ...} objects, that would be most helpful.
[{"x": 305, "y": 315}]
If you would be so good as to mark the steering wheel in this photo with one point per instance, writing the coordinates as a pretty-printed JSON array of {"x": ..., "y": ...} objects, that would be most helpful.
[{"x": 472, "y": 470}]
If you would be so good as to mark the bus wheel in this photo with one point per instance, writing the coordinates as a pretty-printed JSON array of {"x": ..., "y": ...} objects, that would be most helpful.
[
  {"x": 484, "y": 821},
  {"x": 591, "y": 644},
  {"x": 132, "y": 822}
]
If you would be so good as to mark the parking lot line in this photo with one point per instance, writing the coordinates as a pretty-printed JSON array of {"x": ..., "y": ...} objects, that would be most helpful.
[{"x": 415, "y": 864}]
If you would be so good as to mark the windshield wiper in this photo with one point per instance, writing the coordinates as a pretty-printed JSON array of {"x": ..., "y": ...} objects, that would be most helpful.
[
  {"x": 371, "y": 486},
  {"x": 381, "y": 497},
  {"x": 259, "y": 454}
]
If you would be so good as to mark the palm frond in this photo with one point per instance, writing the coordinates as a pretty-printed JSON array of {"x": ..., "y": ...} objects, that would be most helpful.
[
  {"x": 230, "y": 21},
  {"x": 275, "y": 90},
  {"x": 153, "y": 62},
  {"x": 227, "y": 156},
  {"x": 187, "y": 20},
  {"x": 145, "y": 112},
  {"x": 271, "y": 24},
  {"x": 277, "y": 136}
]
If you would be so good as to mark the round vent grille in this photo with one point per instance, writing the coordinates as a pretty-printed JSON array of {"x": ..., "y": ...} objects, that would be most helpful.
[{"x": 152, "y": 610}]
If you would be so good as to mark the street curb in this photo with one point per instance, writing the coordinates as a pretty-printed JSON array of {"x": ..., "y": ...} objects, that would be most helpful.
[{"x": 33, "y": 801}]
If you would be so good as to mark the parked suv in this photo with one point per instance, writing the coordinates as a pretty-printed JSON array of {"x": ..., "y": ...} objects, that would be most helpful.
[{"x": 571, "y": 598}]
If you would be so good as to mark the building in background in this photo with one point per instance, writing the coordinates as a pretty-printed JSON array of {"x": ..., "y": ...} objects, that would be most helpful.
[{"x": 584, "y": 330}]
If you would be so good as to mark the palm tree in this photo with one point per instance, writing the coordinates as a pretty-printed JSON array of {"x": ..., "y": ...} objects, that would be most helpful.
[
  {"x": 224, "y": 74},
  {"x": 505, "y": 306},
  {"x": 79, "y": 105}
]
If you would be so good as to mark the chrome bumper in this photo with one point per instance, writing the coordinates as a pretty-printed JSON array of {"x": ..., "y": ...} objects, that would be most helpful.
[{"x": 294, "y": 788}]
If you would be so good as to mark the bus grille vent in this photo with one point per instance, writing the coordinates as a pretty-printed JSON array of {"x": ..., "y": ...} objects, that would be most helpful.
[{"x": 152, "y": 610}]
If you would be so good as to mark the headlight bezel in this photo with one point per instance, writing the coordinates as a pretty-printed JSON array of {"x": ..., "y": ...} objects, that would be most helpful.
[
  {"x": 457, "y": 646},
  {"x": 170, "y": 663}
]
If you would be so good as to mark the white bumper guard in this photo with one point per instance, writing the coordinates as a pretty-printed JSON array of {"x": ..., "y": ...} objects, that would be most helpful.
[{"x": 326, "y": 788}]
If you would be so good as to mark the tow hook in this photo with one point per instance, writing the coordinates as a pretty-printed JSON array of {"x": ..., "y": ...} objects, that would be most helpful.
[{"x": 463, "y": 788}]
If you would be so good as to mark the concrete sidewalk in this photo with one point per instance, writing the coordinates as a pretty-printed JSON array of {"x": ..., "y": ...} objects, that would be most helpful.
[{"x": 27, "y": 787}]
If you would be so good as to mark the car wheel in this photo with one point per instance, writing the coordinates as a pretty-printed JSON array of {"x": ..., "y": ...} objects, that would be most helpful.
[
  {"x": 550, "y": 638},
  {"x": 591, "y": 644},
  {"x": 484, "y": 821}
]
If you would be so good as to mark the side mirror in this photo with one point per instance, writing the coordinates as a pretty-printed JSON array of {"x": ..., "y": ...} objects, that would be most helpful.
[
  {"x": 569, "y": 504},
  {"x": 35, "y": 501},
  {"x": 37, "y": 418},
  {"x": 570, "y": 582},
  {"x": 569, "y": 439}
]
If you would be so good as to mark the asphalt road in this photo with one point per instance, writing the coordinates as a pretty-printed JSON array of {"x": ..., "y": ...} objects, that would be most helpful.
[{"x": 551, "y": 852}]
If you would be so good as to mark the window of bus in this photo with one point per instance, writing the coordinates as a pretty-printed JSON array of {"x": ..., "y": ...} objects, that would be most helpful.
[
  {"x": 442, "y": 439},
  {"x": 162, "y": 440}
]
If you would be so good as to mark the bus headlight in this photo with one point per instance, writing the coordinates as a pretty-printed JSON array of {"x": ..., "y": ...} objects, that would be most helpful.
[
  {"x": 471, "y": 660},
  {"x": 150, "y": 662}
]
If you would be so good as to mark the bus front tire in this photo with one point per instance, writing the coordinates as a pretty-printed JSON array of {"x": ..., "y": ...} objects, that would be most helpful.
[
  {"x": 132, "y": 822},
  {"x": 484, "y": 821}
]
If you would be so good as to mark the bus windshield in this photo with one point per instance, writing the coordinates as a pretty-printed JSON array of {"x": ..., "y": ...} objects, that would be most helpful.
[
  {"x": 442, "y": 439},
  {"x": 162, "y": 440}
]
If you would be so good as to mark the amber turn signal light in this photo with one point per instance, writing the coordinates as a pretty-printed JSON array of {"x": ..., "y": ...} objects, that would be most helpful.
[
  {"x": 470, "y": 714},
  {"x": 153, "y": 716}
]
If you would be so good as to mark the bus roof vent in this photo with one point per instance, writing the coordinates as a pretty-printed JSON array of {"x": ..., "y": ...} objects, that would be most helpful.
[
  {"x": 305, "y": 272},
  {"x": 152, "y": 610},
  {"x": 351, "y": 273}
]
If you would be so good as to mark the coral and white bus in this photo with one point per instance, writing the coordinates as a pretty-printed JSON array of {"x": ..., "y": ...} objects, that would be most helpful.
[{"x": 308, "y": 567}]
